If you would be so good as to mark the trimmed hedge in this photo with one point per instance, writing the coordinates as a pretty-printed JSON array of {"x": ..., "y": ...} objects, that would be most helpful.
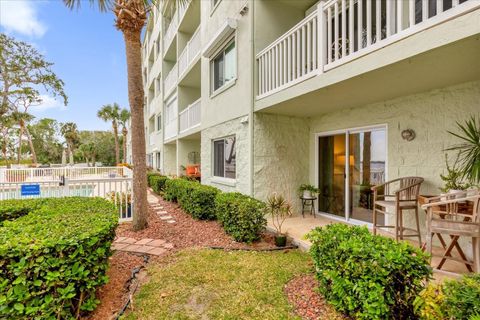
[
  {"x": 173, "y": 189},
  {"x": 13, "y": 209},
  {"x": 150, "y": 176},
  {"x": 241, "y": 216},
  {"x": 157, "y": 183},
  {"x": 366, "y": 276},
  {"x": 54, "y": 257},
  {"x": 198, "y": 200}
]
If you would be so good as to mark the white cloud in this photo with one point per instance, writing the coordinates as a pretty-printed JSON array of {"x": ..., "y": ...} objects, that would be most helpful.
[
  {"x": 20, "y": 16},
  {"x": 47, "y": 103}
]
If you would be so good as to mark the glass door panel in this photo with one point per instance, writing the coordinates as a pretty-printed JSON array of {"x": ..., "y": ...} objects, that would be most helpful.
[
  {"x": 367, "y": 159},
  {"x": 331, "y": 179}
]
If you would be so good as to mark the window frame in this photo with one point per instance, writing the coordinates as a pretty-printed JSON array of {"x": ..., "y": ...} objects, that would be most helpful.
[
  {"x": 158, "y": 118},
  {"x": 221, "y": 51},
  {"x": 224, "y": 177}
]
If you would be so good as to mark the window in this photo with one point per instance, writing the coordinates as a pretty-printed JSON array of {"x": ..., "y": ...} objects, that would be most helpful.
[
  {"x": 158, "y": 160},
  {"x": 214, "y": 4},
  {"x": 159, "y": 122},
  {"x": 223, "y": 66},
  {"x": 224, "y": 158}
]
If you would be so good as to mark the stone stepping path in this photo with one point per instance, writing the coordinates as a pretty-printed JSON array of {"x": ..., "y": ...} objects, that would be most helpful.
[
  {"x": 154, "y": 247},
  {"x": 159, "y": 209}
]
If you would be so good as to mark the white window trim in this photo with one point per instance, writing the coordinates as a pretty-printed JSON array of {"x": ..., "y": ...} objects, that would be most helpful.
[
  {"x": 230, "y": 83},
  {"x": 223, "y": 180}
]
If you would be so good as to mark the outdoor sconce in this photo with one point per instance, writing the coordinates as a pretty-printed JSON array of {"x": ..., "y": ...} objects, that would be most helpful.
[{"x": 408, "y": 134}]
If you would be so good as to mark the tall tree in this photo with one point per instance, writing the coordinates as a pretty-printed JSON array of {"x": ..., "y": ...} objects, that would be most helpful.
[
  {"x": 25, "y": 75},
  {"x": 111, "y": 112},
  {"x": 45, "y": 137},
  {"x": 130, "y": 18},
  {"x": 22, "y": 119},
  {"x": 123, "y": 121},
  {"x": 70, "y": 133},
  {"x": 7, "y": 124}
]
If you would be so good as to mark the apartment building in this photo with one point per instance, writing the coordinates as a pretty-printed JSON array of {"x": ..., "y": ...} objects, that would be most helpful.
[{"x": 343, "y": 94}]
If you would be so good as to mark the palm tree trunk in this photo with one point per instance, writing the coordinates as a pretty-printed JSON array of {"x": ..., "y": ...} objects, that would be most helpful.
[
  {"x": 117, "y": 148},
  {"x": 135, "y": 97},
  {"x": 124, "y": 133},
  {"x": 20, "y": 135},
  {"x": 70, "y": 153},
  {"x": 32, "y": 148}
]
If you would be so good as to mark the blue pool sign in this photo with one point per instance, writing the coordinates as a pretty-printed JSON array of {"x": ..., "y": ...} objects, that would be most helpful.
[{"x": 30, "y": 189}]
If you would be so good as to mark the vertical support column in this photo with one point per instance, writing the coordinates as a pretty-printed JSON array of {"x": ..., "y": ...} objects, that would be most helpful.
[{"x": 322, "y": 38}]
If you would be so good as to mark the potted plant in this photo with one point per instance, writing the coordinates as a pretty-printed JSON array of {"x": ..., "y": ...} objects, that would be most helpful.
[
  {"x": 308, "y": 191},
  {"x": 279, "y": 208},
  {"x": 453, "y": 180}
]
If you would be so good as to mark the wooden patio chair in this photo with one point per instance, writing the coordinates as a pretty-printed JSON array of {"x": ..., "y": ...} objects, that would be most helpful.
[
  {"x": 457, "y": 217},
  {"x": 394, "y": 197}
]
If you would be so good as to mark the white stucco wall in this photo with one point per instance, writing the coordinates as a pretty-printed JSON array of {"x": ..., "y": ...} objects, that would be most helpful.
[
  {"x": 281, "y": 155},
  {"x": 170, "y": 159},
  {"x": 229, "y": 128}
]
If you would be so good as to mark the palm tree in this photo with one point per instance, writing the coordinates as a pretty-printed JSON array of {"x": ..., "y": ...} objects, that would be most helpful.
[
  {"x": 123, "y": 120},
  {"x": 130, "y": 18},
  {"x": 70, "y": 133},
  {"x": 22, "y": 119},
  {"x": 111, "y": 112}
]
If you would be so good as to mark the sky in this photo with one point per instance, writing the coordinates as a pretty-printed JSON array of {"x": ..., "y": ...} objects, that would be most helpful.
[{"x": 87, "y": 51}]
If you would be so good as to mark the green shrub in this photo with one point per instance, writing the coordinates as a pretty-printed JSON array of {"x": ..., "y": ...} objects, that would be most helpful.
[
  {"x": 453, "y": 300},
  {"x": 198, "y": 200},
  {"x": 157, "y": 183},
  {"x": 366, "y": 276},
  {"x": 13, "y": 209},
  {"x": 241, "y": 216},
  {"x": 173, "y": 189},
  {"x": 54, "y": 257},
  {"x": 150, "y": 177}
]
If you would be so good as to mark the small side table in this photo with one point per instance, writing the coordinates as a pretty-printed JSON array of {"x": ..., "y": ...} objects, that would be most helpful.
[{"x": 309, "y": 205}]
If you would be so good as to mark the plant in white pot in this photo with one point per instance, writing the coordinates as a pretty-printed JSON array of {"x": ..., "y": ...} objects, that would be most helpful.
[
  {"x": 308, "y": 191},
  {"x": 453, "y": 180},
  {"x": 279, "y": 209}
]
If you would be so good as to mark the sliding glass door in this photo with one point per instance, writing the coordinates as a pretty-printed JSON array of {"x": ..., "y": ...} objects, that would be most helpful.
[{"x": 349, "y": 164}]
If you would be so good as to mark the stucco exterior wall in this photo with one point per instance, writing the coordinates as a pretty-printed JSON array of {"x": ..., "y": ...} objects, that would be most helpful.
[
  {"x": 229, "y": 128},
  {"x": 429, "y": 114},
  {"x": 185, "y": 146},
  {"x": 281, "y": 155},
  {"x": 170, "y": 159}
]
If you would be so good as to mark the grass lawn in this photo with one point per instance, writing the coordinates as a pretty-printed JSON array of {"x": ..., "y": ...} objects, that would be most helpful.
[{"x": 214, "y": 284}]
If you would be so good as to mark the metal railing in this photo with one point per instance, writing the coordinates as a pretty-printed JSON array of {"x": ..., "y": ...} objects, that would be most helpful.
[
  {"x": 118, "y": 190},
  {"x": 171, "y": 80},
  {"x": 190, "y": 53}
]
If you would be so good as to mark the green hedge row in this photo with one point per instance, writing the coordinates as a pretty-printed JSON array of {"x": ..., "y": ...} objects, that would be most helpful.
[
  {"x": 241, "y": 216},
  {"x": 53, "y": 256},
  {"x": 157, "y": 183},
  {"x": 366, "y": 276}
]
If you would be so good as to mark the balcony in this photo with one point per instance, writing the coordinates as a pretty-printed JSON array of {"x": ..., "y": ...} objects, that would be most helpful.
[
  {"x": 152, "y": 137},
  {"x": 171, "y": 129},
  {"x": 174, "y": 23},
  {"x": 340, "y": 31},
  {"x": 190, "y": 53},
  {"x": 190, "y": 117},
  {"x": 171, "y": 80}
]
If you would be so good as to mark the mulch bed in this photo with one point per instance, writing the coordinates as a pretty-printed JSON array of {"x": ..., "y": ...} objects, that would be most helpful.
[
  {"x": 114, "y": 294},
  {"x": 184, "y": 233},
  {"x": 307, "y": 302},
  {"x": 187, "y": 232}
]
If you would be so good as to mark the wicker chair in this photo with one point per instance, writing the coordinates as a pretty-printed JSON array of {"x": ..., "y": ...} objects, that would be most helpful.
[
  {"x": 455, "y": 217},
  {"x": 397, "y": 196}
]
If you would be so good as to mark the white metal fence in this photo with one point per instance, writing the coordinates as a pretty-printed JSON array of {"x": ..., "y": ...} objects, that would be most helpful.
[
  {"x": 111, "y": 183},
  {"x": 339, "y": 31}
]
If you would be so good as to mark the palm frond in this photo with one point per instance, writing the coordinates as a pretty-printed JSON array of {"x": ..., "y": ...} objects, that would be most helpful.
[{"x": 103, "y": 5}]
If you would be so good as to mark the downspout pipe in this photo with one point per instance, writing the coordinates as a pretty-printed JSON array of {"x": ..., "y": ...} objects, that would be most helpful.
[{"x": 251, "y": 9}]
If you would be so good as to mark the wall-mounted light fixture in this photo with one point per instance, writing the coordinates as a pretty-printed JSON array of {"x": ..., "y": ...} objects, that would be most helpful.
[{"x": 408, "y": 134}]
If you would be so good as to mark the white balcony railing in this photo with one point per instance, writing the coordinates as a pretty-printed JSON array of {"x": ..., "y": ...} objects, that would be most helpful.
[
  {"x": 171, "y": 79},
  {"x": 190, "y": 117},
  {"x": 339, "y": 31},
  {"x": 171, "y": 129},
  {"x": 151, "y": 138},
  {"x": 170, "y": 33},
  {"x": 190, "y": 53}
]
